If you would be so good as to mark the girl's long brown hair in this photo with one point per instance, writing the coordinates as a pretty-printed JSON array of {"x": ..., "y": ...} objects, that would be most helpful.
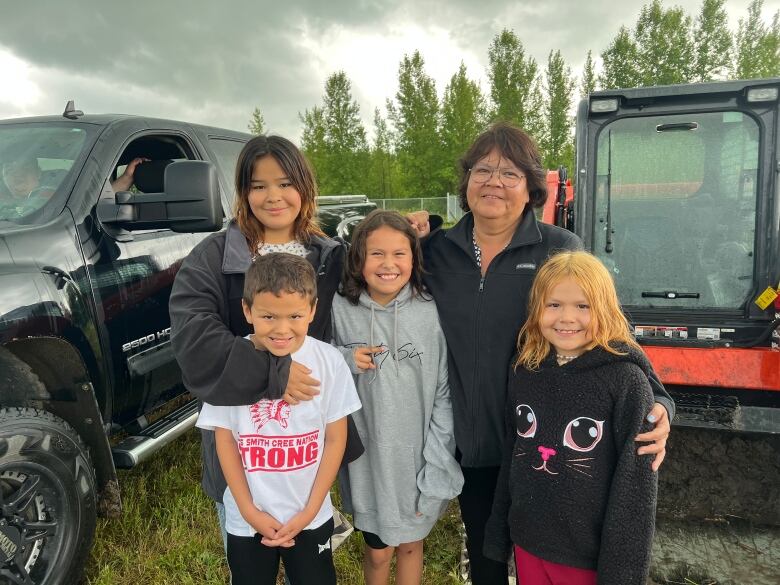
[
  {"x": 353, "y": 283},
  {"x": 608, "y": 324},
  {"x": 297, "y": 169}
]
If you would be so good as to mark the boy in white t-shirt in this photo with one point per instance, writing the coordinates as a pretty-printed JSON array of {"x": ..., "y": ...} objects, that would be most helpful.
[{"x": 280, "y": 460}]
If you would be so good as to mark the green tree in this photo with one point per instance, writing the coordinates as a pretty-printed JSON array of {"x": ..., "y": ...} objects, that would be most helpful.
[
  {"x": 588, "y": 79},
  {"x": 557, "y": 145},
  {"x": 757, "y": 46},
  {"x": 415, "y": 115},
  {"x": 383, "y": 180},
  {"x": 664, "y": 45},
  {"x": 515, "y": 84},
  {"x": 462, "y": 119},
  {"x": 620, "y": 62},
  {"x": 345, "y": 138},
  {"x": 256, "y": 123},
  {"x": 313, "y": 140},
  {"x": 711, "y": 42}
]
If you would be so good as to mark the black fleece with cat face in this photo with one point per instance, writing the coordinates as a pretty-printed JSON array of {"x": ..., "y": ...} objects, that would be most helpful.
[{"x": 572, "y": 489}]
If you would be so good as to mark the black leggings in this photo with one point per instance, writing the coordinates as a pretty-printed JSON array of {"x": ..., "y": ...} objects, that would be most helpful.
[
  {"x": 476, "y": 503},
  {"x": 309, "y": 562}
]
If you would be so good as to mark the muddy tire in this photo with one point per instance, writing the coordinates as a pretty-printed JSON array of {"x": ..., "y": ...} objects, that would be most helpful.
[{"x": 47, "y": 499}]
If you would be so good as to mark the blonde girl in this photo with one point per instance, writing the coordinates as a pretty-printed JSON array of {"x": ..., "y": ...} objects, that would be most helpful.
[{"x": 574, "y": 501}]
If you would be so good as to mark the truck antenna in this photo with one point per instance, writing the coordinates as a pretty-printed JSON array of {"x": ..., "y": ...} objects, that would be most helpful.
[{"x": 71, "y": 113}]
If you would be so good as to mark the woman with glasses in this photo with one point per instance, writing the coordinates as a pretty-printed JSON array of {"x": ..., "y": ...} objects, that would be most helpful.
[{"x": 480, "y": 273}]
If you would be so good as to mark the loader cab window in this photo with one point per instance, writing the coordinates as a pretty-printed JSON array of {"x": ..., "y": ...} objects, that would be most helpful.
[{"x": 681, "y": 191}]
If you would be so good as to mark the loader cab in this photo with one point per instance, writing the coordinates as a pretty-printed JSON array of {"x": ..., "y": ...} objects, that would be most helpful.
[{"x": 677, "y": 193}]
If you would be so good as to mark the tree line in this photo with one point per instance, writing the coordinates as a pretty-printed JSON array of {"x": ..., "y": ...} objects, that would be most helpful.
[{"x": 419, "y": 138}]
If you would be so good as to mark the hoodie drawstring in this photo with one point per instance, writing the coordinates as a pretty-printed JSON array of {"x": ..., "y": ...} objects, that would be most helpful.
[
  {"x": 395, "y": 337},
  {"x": 393, "y": 349},
  {"x": 371, "y": 344}
]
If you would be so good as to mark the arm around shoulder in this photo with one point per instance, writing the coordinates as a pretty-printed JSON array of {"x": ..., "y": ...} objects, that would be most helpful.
[{"x": 217, "y": 366}]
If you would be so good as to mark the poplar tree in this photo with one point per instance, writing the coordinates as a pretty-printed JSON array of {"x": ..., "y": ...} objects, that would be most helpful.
[
  {"x": 256, "y": 123},
  {"x": 345, "y": 138},
  {"x": 383, "y": 173},
  {"x": 557, "y": 144},
  {"x": 664, "y": 45},
  {"x": 415, "y": 115},
  {"x": 711, "y": 42},
  {"x": 757, "y": 46},
  {"x": 462, "y": 119},
  {"x": 515, "y": 83},
  {"x": 588, "y": 79},
  {"x": 313, "y": 141},
  {"x": 620, "y": 62}
]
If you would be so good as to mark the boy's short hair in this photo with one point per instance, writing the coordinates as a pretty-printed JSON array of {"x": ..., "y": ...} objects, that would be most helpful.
[{"x": 278, "y": 273}]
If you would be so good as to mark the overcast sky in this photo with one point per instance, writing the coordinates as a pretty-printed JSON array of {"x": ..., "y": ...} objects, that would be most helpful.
[{"x": 213, "y": 62}]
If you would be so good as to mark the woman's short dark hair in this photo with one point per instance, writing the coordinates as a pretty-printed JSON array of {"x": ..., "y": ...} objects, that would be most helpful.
[
  {"x": 353, "y": 283},
  {"x": 297, "y": 169},
  {"x": 514, "y": 145}
]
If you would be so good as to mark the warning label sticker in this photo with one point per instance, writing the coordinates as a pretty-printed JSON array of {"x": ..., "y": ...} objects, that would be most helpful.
[{"x": 765, "y": 298}]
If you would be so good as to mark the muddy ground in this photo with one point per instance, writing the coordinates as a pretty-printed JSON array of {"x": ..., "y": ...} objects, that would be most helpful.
[{"x": 719, "y": 509}]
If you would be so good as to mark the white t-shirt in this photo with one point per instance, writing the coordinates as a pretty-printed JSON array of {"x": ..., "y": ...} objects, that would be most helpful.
[{"x": 281, "y": 445}]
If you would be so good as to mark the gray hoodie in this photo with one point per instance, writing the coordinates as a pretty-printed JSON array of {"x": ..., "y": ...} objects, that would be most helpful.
[{"x": 402, "y": 484}]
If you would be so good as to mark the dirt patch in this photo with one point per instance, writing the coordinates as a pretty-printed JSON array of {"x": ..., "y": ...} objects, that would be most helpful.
[
  {"x": 718, "y": 520},
  {"x": 716, "y": 475}
]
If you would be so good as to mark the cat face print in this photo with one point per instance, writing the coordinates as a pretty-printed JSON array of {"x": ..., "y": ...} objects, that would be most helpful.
[{"x": 558, "y": 443}]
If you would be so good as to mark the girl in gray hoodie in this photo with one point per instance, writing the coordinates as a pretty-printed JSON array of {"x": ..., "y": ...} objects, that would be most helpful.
[{"x": 388, "y": 330}]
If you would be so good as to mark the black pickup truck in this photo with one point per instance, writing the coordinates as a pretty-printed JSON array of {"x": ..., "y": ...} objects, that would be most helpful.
[{"x": 88, "y": 381}]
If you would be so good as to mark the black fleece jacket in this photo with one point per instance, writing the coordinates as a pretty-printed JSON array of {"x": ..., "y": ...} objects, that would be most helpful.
[
  {"x": 208, "y": 329},
  {"x": 481, "y": 318},
  {"x": 572, "y": 489}
]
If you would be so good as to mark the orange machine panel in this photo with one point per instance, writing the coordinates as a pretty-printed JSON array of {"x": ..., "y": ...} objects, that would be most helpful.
[{"x": 755, "y": 368}]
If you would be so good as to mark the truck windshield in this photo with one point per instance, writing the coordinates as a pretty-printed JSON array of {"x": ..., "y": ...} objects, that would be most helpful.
[
  {"x": 681, "y": 192},
  {"x": 35, "y": 160}
]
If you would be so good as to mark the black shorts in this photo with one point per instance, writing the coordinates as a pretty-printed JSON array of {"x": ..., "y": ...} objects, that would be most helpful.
[
  {"x": 308, "y": 562},
  {"x": 373, "y": 541}
]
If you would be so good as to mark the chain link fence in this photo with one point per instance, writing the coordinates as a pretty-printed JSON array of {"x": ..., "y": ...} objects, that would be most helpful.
[{"x": 447, "y": 207}]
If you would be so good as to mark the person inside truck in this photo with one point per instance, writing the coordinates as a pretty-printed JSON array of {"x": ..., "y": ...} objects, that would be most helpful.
[
  {"x": 276, "y": 198},
  {"x": 23, "y": 179},
  {"x": 479, "y": 273}
]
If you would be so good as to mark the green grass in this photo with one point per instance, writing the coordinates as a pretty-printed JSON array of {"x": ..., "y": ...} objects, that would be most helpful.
[{"x": 168, "y": 532}]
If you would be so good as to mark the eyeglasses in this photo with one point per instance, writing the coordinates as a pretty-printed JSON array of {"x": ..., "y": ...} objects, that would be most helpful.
[{"x": 508, "y": 177}]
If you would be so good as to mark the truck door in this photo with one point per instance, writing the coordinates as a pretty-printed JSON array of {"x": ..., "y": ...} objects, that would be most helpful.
[{"x": 132, "y": 274}]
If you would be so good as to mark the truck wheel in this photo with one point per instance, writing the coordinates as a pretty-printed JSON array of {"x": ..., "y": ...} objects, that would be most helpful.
[{"x": 47, "y": 499}]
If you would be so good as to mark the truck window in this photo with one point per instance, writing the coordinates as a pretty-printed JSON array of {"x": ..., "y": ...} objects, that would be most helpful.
[
  {"x": 35, "y": 160},
  {"x": 682, "y": 194}
]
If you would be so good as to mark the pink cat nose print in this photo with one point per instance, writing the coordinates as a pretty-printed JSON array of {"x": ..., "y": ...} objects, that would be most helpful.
[{"x": 546, "y": 452}]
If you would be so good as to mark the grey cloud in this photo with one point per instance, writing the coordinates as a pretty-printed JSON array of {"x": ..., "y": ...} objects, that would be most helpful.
[{"x": 217, "y": 61}]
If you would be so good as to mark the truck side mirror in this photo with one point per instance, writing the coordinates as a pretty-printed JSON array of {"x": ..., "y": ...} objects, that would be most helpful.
[{"x": 190, "y": 202}]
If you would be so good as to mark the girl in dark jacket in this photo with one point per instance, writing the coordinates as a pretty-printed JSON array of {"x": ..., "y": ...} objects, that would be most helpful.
[
  {"x": 573, "y": 496},
  {"x": 274, "y": 212}
]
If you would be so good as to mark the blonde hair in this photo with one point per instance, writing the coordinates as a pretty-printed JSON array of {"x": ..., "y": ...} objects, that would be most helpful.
[{"x": 608, "y": 324}]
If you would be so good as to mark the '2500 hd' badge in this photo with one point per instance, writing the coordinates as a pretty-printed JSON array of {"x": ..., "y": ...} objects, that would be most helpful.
[{"x": 151, "y": 338}]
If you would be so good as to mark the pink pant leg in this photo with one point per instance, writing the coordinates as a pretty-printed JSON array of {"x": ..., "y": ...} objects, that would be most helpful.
[{"x": 531, "y": 570}]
